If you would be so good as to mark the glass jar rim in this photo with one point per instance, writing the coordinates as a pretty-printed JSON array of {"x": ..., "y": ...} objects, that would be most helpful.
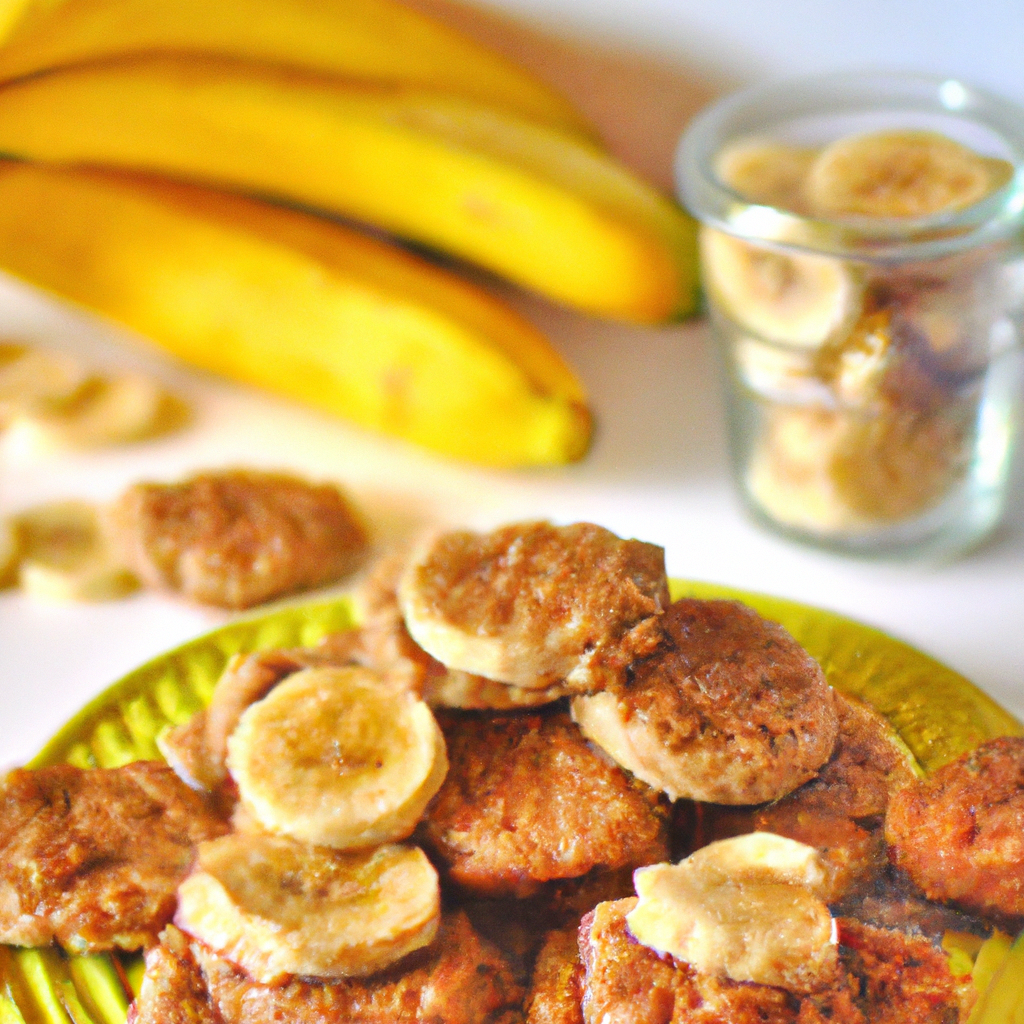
[{"x": 755, "y": 111}]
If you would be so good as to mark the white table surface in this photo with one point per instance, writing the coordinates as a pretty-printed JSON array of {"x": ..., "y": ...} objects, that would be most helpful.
[{"x": 658, "y": 468}]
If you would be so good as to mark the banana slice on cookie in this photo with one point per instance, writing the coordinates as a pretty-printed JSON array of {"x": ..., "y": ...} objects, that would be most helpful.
[
  {"x": 337, "y": 757},
  {"x": 794, "y": 299},
  {"x": 750, "y": 908},
  {"x": 765, "y": 171},
  {"x": 900, "y": 174},
  {"x": 278, "y": 907},
  {"x": 66, "y": 555}
]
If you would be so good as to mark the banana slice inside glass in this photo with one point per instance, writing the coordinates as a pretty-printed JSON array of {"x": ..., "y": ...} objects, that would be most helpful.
[
  {"x": 278, "y": 907},
  {"x": 765, "y": 171},
  {"x": 897, "y": 174},
  {"x": 794, "y": 299},
  {"x": 338, "y": 757}
]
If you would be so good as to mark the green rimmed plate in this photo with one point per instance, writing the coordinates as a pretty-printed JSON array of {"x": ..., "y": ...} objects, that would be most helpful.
[{"x": 938, "y": 713}]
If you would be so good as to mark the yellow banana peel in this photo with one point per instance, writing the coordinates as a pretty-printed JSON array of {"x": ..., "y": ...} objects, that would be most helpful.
[
  {"x": 374, "y": 40},
  {"x": 535, "y": 205},
  {"x": 298, "y": 305}
]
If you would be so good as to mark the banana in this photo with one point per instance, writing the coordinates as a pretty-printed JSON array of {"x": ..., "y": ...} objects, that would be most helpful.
[
  {"x": 894, "y": 174},
  {"x": 277, "y": 907},
  {"x": 750, "y": 909},
  {"x": 794, "y": 299},
  {"x": 337, "y": 757},
  {"x": 34, "y": 380},
  {"x": 373, "y": 40},
  {"x": 66, "y": 556},
  {"x": 766, "y": 172},
  {"x": 108, "y": 410},
  {"x": 300, "y": 306},
  {"x": 530, "y": 203}
]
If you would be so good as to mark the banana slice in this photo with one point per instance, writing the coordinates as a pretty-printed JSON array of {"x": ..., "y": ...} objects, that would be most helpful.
[
  {"x": 791, "y": 299},
  {"x": 66, "y": 555},
  {"x": 748, "y": 908},
  {"x": 278, "y": 907},
  {"x": 338, "y": 757},
  {"x": 777, "y": 371},
  {"x": 788, "y": 475},
  {"x": 128, "y": 407},
  {"x": 10, "y": 553},
  {"x": 767, "y": 172},
  {"x": 33, "y": 379},
  {"x": 900, "y": 174}
]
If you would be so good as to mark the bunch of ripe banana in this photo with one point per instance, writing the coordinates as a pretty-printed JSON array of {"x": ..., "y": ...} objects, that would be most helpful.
[{"x": 361, "y": 109}]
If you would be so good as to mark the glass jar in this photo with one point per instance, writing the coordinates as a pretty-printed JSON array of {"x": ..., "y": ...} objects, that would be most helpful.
[{"x": 865, "y": 281}]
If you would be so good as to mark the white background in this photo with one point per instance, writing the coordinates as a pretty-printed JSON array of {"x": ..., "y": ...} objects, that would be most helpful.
[{"x": 658, "y": 468}]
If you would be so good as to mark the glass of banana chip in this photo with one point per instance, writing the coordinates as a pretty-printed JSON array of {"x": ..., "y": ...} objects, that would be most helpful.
[{"x": 863, "y": 268}]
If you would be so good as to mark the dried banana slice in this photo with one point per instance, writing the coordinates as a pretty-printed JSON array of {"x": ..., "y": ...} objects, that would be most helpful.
[
  {"x": 788, "y": 474},
  {"x": 749, "y": 908},
  {"x": 10, "y": 553},
  {"x": 111, "y": 410},
  {"x": 338, "y": 757},
  {"x": 899, "y": 174},
  {"x": 66, "y": 555},
  {"x": 278, "y": 907},
  {"x": 33, "y": 379},
  {"x": 767, "y": 172},
  {"x": 794, "y": 299}
]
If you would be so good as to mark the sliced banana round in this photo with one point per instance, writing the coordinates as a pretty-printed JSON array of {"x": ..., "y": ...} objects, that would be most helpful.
[
  {"x": 33, "y": 379},
  {"x": 788, "y": 474},
  {"x": 66, "y": 555},
  {"x": 10, "y": 553},
  {"x": 778, "y": 372},
  {"x": 897, "y": 174},
  {"x": 749, "y": 908},
  {"x": 793, "y": 299},
  {"x": 767, "y": 172},
  {"x": 338, "y": 757},
  {"x": 278, "y": 907},
  {"x": 113, "y": 410}
]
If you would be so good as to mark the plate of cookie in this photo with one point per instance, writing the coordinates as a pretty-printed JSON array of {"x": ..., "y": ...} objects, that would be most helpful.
[{"x": 522, "y": 776}]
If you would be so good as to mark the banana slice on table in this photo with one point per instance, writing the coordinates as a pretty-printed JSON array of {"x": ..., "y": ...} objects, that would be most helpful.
[
  {"x": 900, "y": 174},
  {"x": 66, "y": 554},
  {"x": 10, "y": 553},
  {"x": 34, "y": 379},
  {"x": 109, "y": 410},
  {"x": 278, "y": 907},
  {"x": 338, "y": 757},
  {"x": 768, "y": 172},
  {"x": 794, "y": 299}
]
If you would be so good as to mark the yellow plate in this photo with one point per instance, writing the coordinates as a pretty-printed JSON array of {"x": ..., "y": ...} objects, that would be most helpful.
[{"x": 938, "y": 713}]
